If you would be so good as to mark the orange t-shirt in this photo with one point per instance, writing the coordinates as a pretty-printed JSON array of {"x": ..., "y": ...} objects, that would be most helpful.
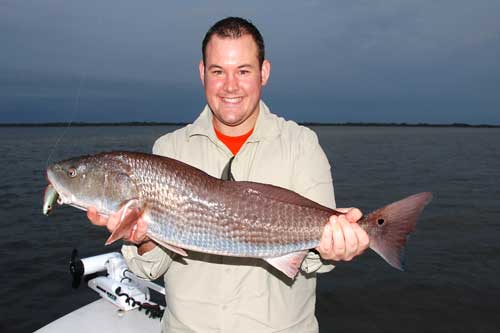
[{"x": 234, "y": 143}]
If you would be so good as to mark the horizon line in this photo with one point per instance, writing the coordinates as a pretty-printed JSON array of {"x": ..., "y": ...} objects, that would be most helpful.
[{"x": 305, "y": 123}]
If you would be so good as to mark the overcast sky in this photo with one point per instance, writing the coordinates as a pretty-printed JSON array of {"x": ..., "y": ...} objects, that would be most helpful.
[{"x": 332, "y": 61}]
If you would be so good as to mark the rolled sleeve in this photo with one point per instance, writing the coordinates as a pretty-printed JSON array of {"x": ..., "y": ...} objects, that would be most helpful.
[
  {"x": 151, "y": 265},
  {"x": 314, "y": 264}
]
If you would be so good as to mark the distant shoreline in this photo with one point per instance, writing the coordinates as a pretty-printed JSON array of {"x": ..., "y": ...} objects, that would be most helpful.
[{"x": 133, "y": 123}]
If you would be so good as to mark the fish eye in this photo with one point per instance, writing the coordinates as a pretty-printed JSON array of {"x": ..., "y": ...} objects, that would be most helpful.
[{"x": 72, "y": 172}]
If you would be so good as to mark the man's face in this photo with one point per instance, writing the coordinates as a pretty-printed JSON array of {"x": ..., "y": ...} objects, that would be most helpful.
[{"x": 233, "y": 82}]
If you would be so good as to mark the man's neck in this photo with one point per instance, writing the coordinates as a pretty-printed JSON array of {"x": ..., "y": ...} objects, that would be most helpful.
[
  {"x": 237, "y": 130},
  {"x": 234, "y": 143}
]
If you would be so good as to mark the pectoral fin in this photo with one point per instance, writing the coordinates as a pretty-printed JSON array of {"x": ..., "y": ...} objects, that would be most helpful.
[
  {"x": 289, "y": 264},
  {"x": 129, "y": 213}
]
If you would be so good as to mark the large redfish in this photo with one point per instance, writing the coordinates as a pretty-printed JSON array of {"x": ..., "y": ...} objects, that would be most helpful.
[{"x": 186, "y": 209}]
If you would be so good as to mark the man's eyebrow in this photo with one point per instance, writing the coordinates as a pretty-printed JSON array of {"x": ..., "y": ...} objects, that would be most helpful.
[{"x": 214, "y": 66}]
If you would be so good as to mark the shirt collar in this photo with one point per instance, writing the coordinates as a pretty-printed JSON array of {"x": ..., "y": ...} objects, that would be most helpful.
[{"x": 266, "y": 126}]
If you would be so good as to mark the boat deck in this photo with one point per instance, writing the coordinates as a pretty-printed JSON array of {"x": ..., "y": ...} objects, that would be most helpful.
[{"x": 102, "y": 316}]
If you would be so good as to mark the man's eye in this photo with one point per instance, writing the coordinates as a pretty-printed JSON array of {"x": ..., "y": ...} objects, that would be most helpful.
[
  {"x": 244, "y": 72},
  {"x": 218, "y": 73}
]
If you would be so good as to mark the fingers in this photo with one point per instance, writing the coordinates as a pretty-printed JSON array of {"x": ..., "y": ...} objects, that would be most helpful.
[
  {"x": 139, "y": 232},
  {"x": 102, "y": 221},
  {"x": 345, "y": 241},
  {"x": 113, "y": 221},
  {"x": 350, "y": 239},
  {"x": 353, "y": 215},
  {"x": 95, "y": 218},
  {"x": 342, "y": 210},
  {"x": 363, "y": 238},
  {"x": 326, "y": 243},
  {"x": 332, "y": 244},
  {"x": 339, "y": 244},
  {"x": 343, "y": 238}
]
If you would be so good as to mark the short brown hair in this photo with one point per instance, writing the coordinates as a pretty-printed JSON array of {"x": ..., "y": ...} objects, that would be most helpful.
[{"x": 235, "y": 27}]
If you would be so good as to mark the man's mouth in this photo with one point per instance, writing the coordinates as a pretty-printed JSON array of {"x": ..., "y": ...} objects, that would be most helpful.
[{"x": 232, "y": 100}]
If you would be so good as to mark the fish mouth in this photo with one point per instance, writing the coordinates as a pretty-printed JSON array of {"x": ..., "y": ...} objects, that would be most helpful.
[
  {"x": 62, "y": 196},
  {"x": 53, "y": 196},
  {"x": 55, "y": 192}
]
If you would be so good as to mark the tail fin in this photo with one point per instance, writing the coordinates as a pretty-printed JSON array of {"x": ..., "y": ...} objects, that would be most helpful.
[{"x": 389, "y": 227}]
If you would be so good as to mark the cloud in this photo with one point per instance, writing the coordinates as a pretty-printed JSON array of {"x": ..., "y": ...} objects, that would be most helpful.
[{"x": 376, "y": 52}]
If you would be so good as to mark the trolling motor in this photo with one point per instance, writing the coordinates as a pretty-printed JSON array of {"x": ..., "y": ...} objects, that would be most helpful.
[{"x": 120, "y": 286}]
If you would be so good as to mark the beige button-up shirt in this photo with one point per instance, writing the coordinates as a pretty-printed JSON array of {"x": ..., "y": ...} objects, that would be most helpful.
[{"x": 209, "y": 293}]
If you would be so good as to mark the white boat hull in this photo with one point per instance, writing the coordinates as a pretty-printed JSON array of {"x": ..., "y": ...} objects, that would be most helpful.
[{"x": 102, "y": 316}]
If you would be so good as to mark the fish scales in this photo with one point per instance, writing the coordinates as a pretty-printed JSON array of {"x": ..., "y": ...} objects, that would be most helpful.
[
  {"x": 192, "y": 210},
  {"x": 185, "y": 208}
]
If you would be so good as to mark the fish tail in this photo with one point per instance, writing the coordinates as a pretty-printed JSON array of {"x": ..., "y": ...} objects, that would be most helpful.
[{"x": 390, "y": 226}]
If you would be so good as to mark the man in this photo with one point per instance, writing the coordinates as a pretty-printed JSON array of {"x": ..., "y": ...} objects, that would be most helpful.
[{"x": 208, "y": 293}]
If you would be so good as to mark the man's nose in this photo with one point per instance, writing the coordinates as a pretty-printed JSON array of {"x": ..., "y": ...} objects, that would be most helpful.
[{"x": 231, "y": 83}]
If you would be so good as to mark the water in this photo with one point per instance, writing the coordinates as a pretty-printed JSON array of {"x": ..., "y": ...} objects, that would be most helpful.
[{"x": 453, "y": 259}]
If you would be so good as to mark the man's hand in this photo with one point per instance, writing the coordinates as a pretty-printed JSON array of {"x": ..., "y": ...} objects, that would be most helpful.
[
  {"x": 343, "y": 238},
  {"x": 138, "y": 235}
]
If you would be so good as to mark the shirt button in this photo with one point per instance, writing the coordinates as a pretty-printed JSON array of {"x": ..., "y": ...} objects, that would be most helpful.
[{"x": 224, "y": 307}]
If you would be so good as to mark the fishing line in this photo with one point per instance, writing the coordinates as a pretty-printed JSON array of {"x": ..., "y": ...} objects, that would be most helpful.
[{"x": 76, "y": 105}]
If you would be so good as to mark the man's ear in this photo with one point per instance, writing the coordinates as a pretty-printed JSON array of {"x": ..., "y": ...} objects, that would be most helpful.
[
  {"x": 265, "y": 71},
  {"x": 201, "y": 68}
]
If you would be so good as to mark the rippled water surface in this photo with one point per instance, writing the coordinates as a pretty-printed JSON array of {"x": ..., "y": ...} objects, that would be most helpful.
[{"x": 453, "y": 259}]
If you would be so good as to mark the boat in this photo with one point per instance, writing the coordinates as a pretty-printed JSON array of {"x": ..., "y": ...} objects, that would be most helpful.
[{"x": 125, "y": 304}]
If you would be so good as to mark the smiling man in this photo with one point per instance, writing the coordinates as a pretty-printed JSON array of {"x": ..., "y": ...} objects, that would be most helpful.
[
  {"x": 233, "y": 77},
  {"x": 209, "y": 293}
]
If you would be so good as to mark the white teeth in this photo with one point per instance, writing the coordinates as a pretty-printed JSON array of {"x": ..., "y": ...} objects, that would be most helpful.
[{"x": 232, "y": 100}]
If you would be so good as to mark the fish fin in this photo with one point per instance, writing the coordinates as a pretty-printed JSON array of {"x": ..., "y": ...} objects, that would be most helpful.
[
  {"x": 279, "y": 194},
  {"x": 171, "y": 247},
  {"x": 390, "y": 226},
  {"x": 289, "y": 264},
  {"x": 129, "y": 213}
]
